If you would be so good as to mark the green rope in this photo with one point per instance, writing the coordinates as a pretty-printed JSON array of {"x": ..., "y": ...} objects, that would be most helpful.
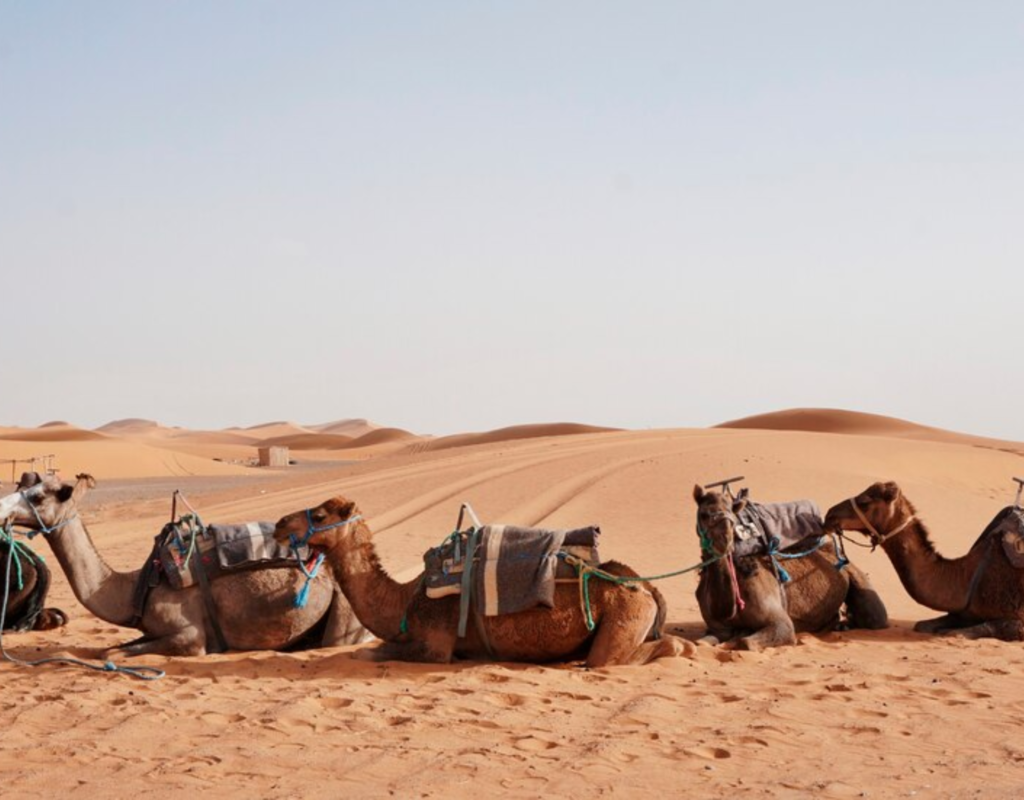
[
  {"x": 20, "y": 550},
  {"x": 586, "y": 572}
]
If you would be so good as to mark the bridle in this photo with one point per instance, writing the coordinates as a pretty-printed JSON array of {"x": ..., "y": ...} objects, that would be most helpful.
[
  {"x": 312, "y": 530},
  {"x": 878, "y": 538}
]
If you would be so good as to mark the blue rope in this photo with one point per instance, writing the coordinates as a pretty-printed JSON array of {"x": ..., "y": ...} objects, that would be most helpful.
[
  {"x": 142, "y": 673},
  {"x": 303, "y": 596}
]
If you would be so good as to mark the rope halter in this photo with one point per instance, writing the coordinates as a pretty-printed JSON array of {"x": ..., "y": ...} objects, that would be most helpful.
[
  {"x": 312, "y": 530},
  {"x": 878, "y": 538}
]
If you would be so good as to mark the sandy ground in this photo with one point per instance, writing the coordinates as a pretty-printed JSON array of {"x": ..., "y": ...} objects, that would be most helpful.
[{"x": 857, "y": 714}]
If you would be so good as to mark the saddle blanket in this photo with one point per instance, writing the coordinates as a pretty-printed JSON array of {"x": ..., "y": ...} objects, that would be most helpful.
[
  {"x": 789, "y": 523},
  {"x": 511, "y": 569},
  {"x": 217, "y": 549}
]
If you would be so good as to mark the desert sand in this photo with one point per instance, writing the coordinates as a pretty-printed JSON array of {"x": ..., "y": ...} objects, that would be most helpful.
[{"x": 848, "y": 714}]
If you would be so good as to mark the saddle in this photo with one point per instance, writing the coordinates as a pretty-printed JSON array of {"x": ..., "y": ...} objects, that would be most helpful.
[
  {"x": 187, "y": 553},
  {"x": 507, "y": 569}
]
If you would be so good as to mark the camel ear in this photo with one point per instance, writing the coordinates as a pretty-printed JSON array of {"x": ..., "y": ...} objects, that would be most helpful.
[
  {"x": 28, "y": 480},
  {"x": 889, "y": 491},
  {"x": 698, "y": 493}
]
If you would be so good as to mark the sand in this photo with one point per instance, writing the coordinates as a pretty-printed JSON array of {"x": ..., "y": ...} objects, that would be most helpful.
[{"x": 876, "y": 714}]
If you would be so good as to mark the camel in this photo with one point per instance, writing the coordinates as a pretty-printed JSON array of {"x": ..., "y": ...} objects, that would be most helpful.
[
  {"x": 25, "y": 611},
  {"x": 255, "y": 607},
  {"x": 414, "y": 627},
  {"x": 981, "y": 592},
  {"x": 745, "y": 605}
]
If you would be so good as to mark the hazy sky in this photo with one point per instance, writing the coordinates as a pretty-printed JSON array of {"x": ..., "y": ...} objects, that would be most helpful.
[{"x": 458, "y": 216}]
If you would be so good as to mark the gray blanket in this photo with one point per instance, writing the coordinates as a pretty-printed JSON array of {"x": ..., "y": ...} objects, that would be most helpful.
[
  {"x": 516, "y": 570},
  {"x": 248, "y": 543},
  {"x": 788, "y": 522}
]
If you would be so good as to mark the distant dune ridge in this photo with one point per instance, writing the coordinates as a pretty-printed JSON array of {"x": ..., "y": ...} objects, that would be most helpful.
[
  {"x": 831, "y": 420},
  {"x": 511, "y": 434}
]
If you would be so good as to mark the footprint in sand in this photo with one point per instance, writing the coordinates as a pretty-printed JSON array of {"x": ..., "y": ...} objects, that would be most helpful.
[
  {"x": 335, "y": 703},
  {"x": 707, "y": 752},
  {"x": 531, "y": 744}
]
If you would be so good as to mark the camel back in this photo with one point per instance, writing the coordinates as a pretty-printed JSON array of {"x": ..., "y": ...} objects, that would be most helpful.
[{"x": 787, "y": 523}]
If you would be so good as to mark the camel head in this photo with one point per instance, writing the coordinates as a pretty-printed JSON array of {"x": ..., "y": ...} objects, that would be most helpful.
[
  {"x": 717, "y": 520},
  {"x": 43, "y": 504},
  {"x": 323, "y": 528},
  {"x": 879, "y": 512}
]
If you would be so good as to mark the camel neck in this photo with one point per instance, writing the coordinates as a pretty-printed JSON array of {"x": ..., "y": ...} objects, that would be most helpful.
[
  {"x": 932, "y": 580},
  {"x": 379, "y": 601},
  {"x": 105, "y": 592}
]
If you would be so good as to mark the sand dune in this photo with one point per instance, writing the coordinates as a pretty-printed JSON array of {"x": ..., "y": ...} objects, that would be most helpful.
[
  {"x": 270, "y": 430},
  {"x": 827, "y": 420},
  {"x": 308, "y": 441},
  {"x": 876, "y": 714},
  {"x": 381, "y": 436},
  {"x": 346, "y": 427},
  {"x": 54, "y": 432},
  {"x": 509, "y": 434}
]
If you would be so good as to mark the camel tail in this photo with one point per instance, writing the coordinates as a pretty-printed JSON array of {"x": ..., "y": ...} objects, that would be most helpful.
[{"x": 864, "y": 606}]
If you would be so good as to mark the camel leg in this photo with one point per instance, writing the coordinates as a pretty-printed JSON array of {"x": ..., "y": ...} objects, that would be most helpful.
[
  {"x": 343, "y": 626},
  {"x": 779, "y": 632},
  {"x": 619, "y": 637},
  {"x": 947, "y": 622},
  {"x": 864, "y": 607},
  {"x": 50, "y": 618},
  {"x": 415, "y": 651},
  {"x": 1008, "y": 630},
  {"x": 180, "y": 643}
]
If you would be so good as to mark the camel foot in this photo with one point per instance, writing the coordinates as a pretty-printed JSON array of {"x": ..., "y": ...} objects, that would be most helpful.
[
  {"x": 708, "y": 641},
  {"x": 666, "y": 647},
  {"x": 947, "y": 623},
  {"x": 402, "y": 651},
  {"x": 1007, "y": 630},
  {"x": 176, "y": 645},
  {"x": 50, "y": 618}
]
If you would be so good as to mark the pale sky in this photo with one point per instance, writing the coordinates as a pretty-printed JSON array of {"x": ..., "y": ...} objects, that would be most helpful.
[{"x": 459, "y": 216}]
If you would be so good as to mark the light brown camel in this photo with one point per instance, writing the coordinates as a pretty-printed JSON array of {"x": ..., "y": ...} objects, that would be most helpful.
[
  {"x": 255, "y": 608},
  {"x": 417, "y": 628},
  {"x": 982, "y": 592},
  {"x": 773, "y": 612},
  {"x": 28, "y": 583}
]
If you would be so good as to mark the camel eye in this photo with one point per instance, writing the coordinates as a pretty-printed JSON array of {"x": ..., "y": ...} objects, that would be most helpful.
[{"x": 319, "y": 517}]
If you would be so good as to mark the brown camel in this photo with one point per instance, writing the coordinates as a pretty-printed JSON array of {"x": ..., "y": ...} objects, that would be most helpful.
[
  {"x": 982, "y": 592},
  {"x": 416, "y": 628},
  {"x": 255, "y": 607},
  {"x": 28, "y": 583},
  {"x": 744, "y": 603}
]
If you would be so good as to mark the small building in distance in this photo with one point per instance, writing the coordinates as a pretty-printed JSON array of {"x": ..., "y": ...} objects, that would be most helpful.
[{"x": 273, "y": 456}]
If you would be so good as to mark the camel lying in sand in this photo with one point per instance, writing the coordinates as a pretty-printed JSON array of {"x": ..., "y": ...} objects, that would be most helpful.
[
  {"x": 773, "y": 612},
  {"x": 982, "y": 592},
  {"x": 28, "y": 583},
  {"x": 417, "y": 628},
  {"x": 255, "y": 607}
]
